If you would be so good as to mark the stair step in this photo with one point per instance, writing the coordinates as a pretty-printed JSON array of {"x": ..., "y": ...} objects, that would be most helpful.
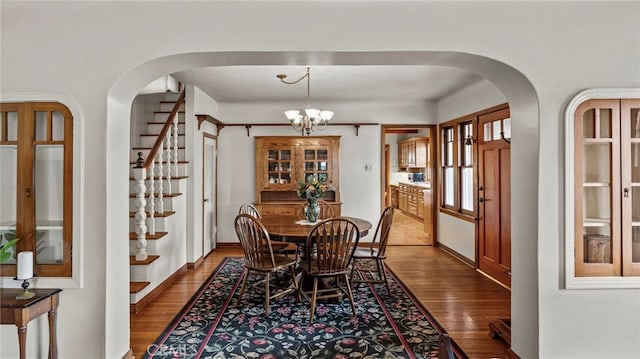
[
  {"x": 150, "y": 259},
  {"x": 133, "y": 236},
  {"x": 136, "y": 287},
  {"x": 179, "y": 162},
  {"x": 163, "y": 214},
  {"x": 165, "y": 195}
]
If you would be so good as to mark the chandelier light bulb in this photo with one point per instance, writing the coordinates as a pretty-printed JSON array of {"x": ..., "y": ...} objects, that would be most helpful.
[{"x": 313, "y": 118}]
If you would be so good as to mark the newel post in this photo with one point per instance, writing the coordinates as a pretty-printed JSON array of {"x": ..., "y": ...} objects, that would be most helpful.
[{"x": 139, "y": 175}]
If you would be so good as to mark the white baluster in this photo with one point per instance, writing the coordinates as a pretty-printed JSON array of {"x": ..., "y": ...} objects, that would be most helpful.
[
  {"x": 152, "y": 201},
  {"x": 140, "y": 174},
  {"x": 167, "y": 141},
  {"x": 160, "y": 157},
  {"x": 175, "y": 144}
]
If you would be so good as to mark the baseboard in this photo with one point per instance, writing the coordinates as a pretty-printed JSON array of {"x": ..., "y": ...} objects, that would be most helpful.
[
  {"x": 457, "y": 255},
  {"x": 511, "y": 354},
  {"x": 138, "y": 307},
  {"x": 128, "y": 354},
  {"x": 196, "y": 264}
]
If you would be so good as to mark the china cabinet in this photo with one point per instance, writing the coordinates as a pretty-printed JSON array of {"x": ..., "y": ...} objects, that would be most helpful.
[
  {"x": 607, "y": 188},
  {"x": 283, "y": 160}
]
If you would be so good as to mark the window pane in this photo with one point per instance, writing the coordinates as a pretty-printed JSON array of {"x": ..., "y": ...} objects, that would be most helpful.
[
  {"x": 635, "y": 123},
  {"x": 58, "y": 127},
  {"x": 596, "y": 163},
  {"x": 466, "y": 193},
  {"x": 449, "y": 154},
  {"x": 41, "y": 126},
  {"x": 8, "y": 195},
  {"x": 506, "y": 127},
  {"x": 589, "y": 124},
  {"x": 486, "y": 129},
  {"x": 12, "y": 126},
  {"x": 605, "y": 123},
  {"x": 496, "y": 130},
  {"x": 635, "y": 244},
  {"x": 448, "y": 186},
  {"x": 49, "y": 197}
]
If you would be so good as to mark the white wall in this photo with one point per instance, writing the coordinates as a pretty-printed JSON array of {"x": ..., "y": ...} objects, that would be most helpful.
[{"x": 537, "y": 53}]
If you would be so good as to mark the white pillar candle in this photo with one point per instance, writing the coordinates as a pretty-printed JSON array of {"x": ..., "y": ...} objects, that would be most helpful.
[{"x": 25, "y": 265}]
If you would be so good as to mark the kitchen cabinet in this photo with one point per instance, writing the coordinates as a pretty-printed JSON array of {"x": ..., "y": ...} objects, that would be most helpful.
[
  {"x": 283, "y": 160},
  {"x": 414, "y": 153},
  {"x": 395, "y": 196}
]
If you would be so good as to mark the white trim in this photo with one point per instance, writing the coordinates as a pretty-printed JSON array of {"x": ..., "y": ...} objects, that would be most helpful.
[
  {"x": 571, "y": 281},
  {"x": 76, "y": 279}
]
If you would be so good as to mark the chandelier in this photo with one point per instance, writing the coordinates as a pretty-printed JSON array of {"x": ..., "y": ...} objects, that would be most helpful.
[{"x": 310, "y": 119}]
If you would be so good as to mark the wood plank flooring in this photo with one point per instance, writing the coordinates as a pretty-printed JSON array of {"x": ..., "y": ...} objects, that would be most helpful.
[{"x": 461, "y": 299}]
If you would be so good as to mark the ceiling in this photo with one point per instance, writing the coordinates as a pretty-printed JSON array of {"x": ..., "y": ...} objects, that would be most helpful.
[{"x": 411, "y": 83}]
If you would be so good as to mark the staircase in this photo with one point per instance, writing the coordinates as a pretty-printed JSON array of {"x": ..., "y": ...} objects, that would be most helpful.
[{"x": 158, "y": 256}]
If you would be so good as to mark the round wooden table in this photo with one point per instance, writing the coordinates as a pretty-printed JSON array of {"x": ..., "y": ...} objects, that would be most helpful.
[{"x": 285, "y": 228}]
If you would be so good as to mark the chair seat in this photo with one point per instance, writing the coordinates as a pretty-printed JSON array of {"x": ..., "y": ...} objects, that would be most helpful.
[
  {"x": 265, "y": 264},
  {"x": 365, "y": 253},
  {"x": 315, "y": 271}
]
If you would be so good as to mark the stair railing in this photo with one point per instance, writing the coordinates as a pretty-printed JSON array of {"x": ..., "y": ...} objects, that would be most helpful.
[{"x": 164, "y": 150}]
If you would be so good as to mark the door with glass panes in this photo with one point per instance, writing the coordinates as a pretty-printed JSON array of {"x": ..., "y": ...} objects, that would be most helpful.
[{"x": 36, "y": 157}]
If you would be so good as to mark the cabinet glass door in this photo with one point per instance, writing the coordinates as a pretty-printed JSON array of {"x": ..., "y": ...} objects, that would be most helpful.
[
  {"x": 316, "y": 163},
  {"x": 279, "y": 166},
  {"x": 630, "y": 115},
  {"x": 597, "y": 212}
]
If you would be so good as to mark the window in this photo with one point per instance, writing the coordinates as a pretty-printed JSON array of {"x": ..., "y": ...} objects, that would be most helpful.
[
  {"x": 466, "y": 168},
  {"x": 458, "y": 151},
  {"x": 603, "y": 203},
  {"x": 36, "y": 184}
]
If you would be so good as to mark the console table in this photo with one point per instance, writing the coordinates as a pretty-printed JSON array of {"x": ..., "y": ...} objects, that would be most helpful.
[{"x": 21, "y": 311}]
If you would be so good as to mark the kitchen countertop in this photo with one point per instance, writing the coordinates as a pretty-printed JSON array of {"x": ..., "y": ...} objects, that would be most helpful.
[{"x": 426, "y": 185}]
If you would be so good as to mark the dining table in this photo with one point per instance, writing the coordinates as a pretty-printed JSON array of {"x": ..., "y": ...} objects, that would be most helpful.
[{"x": 293, "y": 229}]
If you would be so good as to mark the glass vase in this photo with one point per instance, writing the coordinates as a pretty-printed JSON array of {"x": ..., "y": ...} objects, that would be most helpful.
[{"x": 312, "y": 210}]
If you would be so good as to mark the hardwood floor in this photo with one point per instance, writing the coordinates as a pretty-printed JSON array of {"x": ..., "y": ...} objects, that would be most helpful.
[
  {"x": 461, "y": 299},
  {"x": 406, "y": 230}
]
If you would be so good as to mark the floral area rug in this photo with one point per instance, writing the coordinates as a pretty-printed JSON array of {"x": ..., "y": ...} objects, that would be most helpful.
[{"x": 211, "y": 325}]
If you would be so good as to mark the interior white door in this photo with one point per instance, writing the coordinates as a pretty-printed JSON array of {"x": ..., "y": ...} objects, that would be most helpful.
[{"x": 209, "y": 218}]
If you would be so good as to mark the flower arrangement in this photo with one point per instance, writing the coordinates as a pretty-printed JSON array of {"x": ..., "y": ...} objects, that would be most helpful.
[{"x": 312, "y": 188}]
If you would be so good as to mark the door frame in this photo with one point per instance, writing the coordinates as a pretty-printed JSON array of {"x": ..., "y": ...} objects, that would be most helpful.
[
  {"x": 384, "y": 166},
  {"x": 205, "y": 136}
]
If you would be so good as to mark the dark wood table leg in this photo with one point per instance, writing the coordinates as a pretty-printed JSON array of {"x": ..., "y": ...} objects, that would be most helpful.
[
  {"x": 53, "y": 345},
  {"x": 22, "y": 341}
]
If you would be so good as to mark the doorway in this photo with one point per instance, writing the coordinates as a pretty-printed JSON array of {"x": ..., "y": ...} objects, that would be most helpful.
[
  {"x": 209, "y": 200},
  {"x": 414, "y": 219}
]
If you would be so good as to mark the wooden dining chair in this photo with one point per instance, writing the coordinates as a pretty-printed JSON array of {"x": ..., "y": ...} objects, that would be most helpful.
[
  {"x": 277, "y": 246},
  {"x": 259, "y": 258},
  {"x": 333, "y": 242},
  {"x": 375, "y": 251},
  {"x": 326, "y": 210}
]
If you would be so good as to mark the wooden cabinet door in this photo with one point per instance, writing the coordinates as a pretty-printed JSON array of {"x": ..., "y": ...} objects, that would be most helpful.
[
  {"x": 421, "y": 153},
  {"x": 630, "y": 182},
  {"x": 278, "y": 170},
  {"x": 494, "y": 170},
  {"x": 597, "y": 181}
]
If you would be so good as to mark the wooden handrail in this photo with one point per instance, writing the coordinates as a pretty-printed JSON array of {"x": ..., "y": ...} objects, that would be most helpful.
[{"x": 163, "y": 133}]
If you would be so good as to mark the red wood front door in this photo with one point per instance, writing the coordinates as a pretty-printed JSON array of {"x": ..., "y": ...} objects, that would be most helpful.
[{"x": 494, "y": 198}]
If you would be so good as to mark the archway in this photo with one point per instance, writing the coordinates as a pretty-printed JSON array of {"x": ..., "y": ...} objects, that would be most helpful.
[{"x": 520, "y": 95}]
